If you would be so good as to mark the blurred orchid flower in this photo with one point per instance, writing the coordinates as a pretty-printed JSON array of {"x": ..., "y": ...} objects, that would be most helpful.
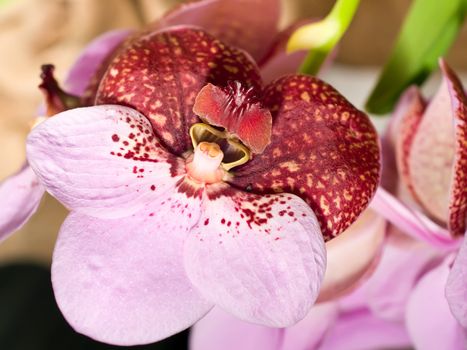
[{"x": 426, "y": 148}]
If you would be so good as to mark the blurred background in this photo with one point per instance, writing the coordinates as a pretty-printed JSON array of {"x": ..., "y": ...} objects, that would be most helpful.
[{"x": 34, "y": 32}]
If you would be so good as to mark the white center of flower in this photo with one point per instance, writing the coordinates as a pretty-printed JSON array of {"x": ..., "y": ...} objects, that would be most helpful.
[{"x": 204, "y": 166}]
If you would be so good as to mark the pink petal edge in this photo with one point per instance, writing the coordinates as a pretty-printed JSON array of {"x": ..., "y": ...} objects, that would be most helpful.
[
  {"x": 456, "y": 287},
  {"x": 20, "y": 196},
  {"x": 429, "y": 321},
  {"x": 267, "y": 264},
  {"x": 102, "y": 161},
  {"x": 122, "y": 281}
]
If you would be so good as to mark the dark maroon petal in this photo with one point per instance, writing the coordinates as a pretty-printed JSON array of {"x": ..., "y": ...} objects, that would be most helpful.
[
  {"x": 458, "y": 193},
  {"x": 160, "y": 74},
  {"x": 238, "y": 111},
  {"x": 408, "y": 115},
  {"x": 322, "y": 149},
  {"x": 248, "y": 24}
]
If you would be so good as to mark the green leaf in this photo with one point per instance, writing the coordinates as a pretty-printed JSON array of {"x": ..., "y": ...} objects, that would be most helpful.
[
  {"x": 428, "y": 31},
  {"x": 321, "y": 37}
]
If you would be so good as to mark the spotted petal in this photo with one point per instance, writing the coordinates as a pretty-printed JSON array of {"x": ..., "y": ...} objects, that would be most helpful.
[
  {"x": 102, "y": 161},
  {"x": 122, "y": 281},
  {"x": 323, "y": 149},
  {"x": 20, "y": 195},
  {"x": 234, "y": 21},
  {"x": 456, "y": 287},
  {"x": 438, "y": 155},
  {"x": 160, "y": 74},
  {"x": 260, "y": 258}
]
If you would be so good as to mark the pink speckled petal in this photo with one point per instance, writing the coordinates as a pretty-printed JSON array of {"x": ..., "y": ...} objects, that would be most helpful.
[
  {"x": 360, "y": 330},
  {"x": 102, "y": 161},
  {"x": 122, "y": 281},
  {"x": 429, "y": 321},
  {"x": 248, "y": 24},
  {"x": 411, "y": 221},
  {"x": 403, "y": 261},
  {"x": 309, "y": 332},
  {"x": 219, "y": 330},
  {"x": 90, "y": 60},
  {"x": 20, "y": 195},
  {"x": 345, "y": 270},
  {"x": 438, "y": 155},
  {"x": 261, "y": 258},
  {"x": 456, "y": 287}
]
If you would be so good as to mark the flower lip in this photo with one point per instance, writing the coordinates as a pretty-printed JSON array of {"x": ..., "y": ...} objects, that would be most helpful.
[{"x": 237, "y": 109}]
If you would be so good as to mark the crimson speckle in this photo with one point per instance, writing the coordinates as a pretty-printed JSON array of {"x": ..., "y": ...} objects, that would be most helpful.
[
  {"x": 153, "y": 188},
  {"x": 223, "y": 221},
  {"x": 206, "y": 222},
  {"x": 115, "y": 138}
]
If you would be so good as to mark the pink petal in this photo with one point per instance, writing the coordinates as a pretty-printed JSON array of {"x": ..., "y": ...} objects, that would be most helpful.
[
  {"x": 309, "y": 332},
  {"x": 403, "y": 262},
  {"x": 101, "y": 161},
  {"x": 219, "y": 330},
  {"x": 346, "y": 269},
  {"x": 406, "y": 121},
  {"x": 248, "y": 24},
  {"x": 360, "y": 330},
  {"x": 456, "y": 287},
  {"x": 261, "y": 258},
  {"x": 411, "y": 221},
  {"x": 91, "y": 59},
  {"x": 438, "y": 155},
  {"x": 160, "y": 73},
  {"x": 122, "y": 281},
  {"x": 322, "y": 149},
  {"x": 429, "y": 321},
  {"x": 20, "y": 195}
]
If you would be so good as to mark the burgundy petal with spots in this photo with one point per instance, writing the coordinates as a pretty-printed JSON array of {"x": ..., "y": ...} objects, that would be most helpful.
[
  {"x": 323, "y": 149},
  {"x": 161, "y": 73}
]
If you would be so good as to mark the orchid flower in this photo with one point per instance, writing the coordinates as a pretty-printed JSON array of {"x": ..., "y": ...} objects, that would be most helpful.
[
  {"x": 192, "y": 185},
  {"x": 427, "y": 145},
  {"x": 236, "y": 23}
]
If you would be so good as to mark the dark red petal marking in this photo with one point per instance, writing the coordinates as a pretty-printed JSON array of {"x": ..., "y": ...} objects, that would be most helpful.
[
  {"x": 56, "y": 100},
  {"x": 238, "y": 111},
  {"x": 248, "y": 24},
  {"x": 408, "y": 116},
  {"x": 458, "y": 193},
  {"x": 160, "y": 74},
  {"x": 323, "y": 149}
]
